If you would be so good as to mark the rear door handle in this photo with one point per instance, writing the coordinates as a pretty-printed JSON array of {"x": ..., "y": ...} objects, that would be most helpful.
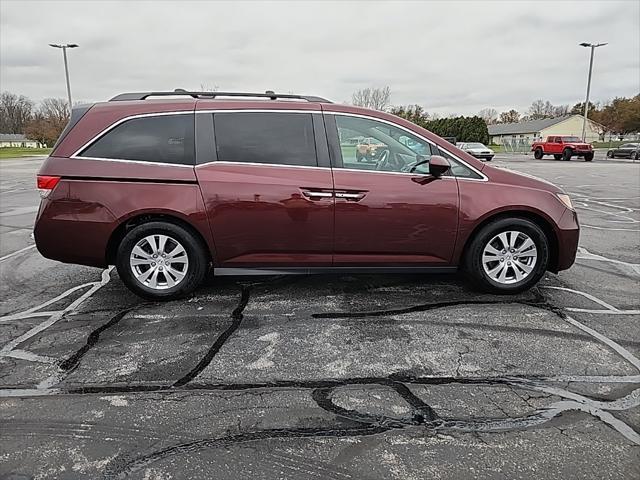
[{"x": 351, "y": 196}]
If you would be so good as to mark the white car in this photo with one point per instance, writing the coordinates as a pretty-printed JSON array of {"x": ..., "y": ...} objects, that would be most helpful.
[{"x": 478, "y": 150}]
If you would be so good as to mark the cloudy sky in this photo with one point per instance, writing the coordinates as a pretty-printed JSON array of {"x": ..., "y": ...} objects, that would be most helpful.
[{"x": 449, "y": 56}]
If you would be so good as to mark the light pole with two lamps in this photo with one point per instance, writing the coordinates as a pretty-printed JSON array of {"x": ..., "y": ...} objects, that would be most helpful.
[
  {"x": 66, "y": 66},
  {"x": 593, "y": 46}
]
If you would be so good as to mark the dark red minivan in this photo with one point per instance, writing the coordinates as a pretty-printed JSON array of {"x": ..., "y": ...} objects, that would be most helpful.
[{"x": 166, "y": 185}]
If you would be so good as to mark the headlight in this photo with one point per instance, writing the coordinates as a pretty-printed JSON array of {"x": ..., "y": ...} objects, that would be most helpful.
[{"x": 564, "y": 198}]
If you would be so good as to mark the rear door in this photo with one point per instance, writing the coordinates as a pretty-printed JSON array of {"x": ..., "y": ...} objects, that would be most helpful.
[
  {"x": 267, "y": 185},
  {"x": 386, "y": 215}
]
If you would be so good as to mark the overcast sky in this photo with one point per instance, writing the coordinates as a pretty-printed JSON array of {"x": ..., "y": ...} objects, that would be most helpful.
[{"x": 449, "y": 56}]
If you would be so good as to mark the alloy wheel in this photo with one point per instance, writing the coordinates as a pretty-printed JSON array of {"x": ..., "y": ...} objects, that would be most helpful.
[
  {"x": 509, "y": 257},
  {"x": 159, "y": 262}
]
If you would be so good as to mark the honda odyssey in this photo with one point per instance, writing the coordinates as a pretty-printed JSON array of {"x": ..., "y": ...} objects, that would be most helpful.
[{"x": 169, "y": 185}]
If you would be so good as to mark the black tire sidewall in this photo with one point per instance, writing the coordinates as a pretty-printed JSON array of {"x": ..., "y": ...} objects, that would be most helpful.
[
  {"x": 473, "y": 263},
  {"x": 538, "y": 153},
  {"x": 567, "y": 153},
  {"x": 198, "y": 262}
]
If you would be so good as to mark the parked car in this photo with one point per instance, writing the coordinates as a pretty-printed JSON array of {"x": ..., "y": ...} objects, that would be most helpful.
[
  {"x": 167, "y": 189},
  {"x": 478, "y": 150},
  {"x": 368, "y": 149},
  {"x": 563, "y": 147},
  {"x": 627, "y": 150}
]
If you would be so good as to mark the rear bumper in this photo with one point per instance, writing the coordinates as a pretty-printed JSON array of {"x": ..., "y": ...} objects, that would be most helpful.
[
  {"x": 61, "y": 235},
  {"x": 568, "y": 238}
]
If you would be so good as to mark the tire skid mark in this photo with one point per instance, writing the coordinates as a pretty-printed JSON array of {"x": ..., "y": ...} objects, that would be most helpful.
[
  {"x": 115, "y": 472},
  {"x": 88, "y": 430},
  {"x": 364, "y": 424},
  {"x": 71, "y": 363},
  {"x": 67, "y": 366}
]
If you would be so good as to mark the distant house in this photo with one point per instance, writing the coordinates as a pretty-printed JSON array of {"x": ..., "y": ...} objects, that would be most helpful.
[
  {"x": 530, "y": 131},
  {"x": 17, "y": 140}
]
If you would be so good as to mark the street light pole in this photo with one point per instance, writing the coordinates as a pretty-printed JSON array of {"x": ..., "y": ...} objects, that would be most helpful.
[
  {"x": 586, "y": 103},
  {"x": 66, "y": 67}
]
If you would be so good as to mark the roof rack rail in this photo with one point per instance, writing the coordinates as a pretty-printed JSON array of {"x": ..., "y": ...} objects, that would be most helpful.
[{"x": 179, "y": 91}]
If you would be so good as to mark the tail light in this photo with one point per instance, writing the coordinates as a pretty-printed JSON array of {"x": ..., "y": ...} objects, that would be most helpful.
[{"x": 46, "y": 184}]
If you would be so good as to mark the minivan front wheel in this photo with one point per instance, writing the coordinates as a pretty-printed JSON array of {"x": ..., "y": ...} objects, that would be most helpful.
[
  {"x": 161, "y": 261},
  {"x": 508, "y": 255}
]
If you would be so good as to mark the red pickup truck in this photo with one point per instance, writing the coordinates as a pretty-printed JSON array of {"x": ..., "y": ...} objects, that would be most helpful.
[{"x": 562, "y": 147}]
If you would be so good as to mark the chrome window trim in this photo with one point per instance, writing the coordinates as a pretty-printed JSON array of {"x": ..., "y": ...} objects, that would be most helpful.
[
  {"x": 414, "y": 174},
  {"x": 256, "y": 164},
  {"x": 76, "y": 154},
  {"x": 102, "y": 133},
  {"x": 483, "y": 178},
  {"x": 140, "y": 162}
]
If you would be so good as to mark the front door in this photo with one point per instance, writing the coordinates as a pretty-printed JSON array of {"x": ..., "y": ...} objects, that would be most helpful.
[
  {"x": 268, "y": 197},
  {"x": 386, "y": 215}
]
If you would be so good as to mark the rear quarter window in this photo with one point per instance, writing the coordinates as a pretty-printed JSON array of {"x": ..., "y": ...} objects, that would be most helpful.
[{"x": 156, "y": 139}]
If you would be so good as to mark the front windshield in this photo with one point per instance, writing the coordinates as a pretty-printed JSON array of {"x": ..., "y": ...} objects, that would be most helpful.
[
  {"x": 571, "y": 139},
  {"x": 475, "y": 145}
]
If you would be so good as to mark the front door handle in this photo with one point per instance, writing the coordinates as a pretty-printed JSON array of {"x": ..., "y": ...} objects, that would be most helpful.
[
  {"x": 351, "y": 196},
  {"x": 316, "y": 195}
]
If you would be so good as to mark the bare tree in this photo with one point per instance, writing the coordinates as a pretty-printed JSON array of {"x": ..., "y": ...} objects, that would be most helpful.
[
  {"x": 413, "y": 113},
  {"x": 537, "y": 110},
  {"x": 55, "y": 109},
  {"x": 49, "y": 121},
  {"x": 15, "y": 112},
  {"x": 376, "y": 98},
  {"x": 489, "y": 115},
  {"x": 205, "y": 87},
  {"x": 545, "y": 109},
  {"x": 512, "y": 116}
]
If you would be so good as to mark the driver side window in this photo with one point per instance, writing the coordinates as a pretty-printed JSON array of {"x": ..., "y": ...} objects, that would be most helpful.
[{"x": 371, "y": 145}]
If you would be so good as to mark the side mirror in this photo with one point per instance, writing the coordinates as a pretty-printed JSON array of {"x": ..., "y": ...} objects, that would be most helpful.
[{"x": 438, "y": 165}]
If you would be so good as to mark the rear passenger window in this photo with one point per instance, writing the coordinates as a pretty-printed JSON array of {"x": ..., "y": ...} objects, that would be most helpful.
[
  {"x": 275, "y": 138},
  {"x": 163, "y": 138}
]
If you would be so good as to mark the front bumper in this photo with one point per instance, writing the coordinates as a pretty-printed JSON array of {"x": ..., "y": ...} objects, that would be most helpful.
[{"x": 568, "y": 233}]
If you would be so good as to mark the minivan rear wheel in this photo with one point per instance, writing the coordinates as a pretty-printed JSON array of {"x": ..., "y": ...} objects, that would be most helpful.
[
  {"x": 161, "y": 261},
  {"x": 507, "y": 256}
]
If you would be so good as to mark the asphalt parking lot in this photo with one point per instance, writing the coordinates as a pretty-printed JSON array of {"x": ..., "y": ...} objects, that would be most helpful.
[{"x": 332, "y": 377}]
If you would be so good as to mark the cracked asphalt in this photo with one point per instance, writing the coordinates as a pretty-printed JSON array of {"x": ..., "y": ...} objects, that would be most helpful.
[{"x": 332, "y": 377}]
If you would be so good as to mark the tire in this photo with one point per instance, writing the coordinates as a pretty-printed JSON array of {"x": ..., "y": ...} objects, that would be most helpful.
[
  {"x": 557, "y": 157},
  {"x": 489, "y": 236},
  {"x": 588, "y": 157},
  {"x": 634, "y": 156},
  {"x": 358, "y": 156},
  {"x": 489, "y": 159},
  {"x": 192, "y": 263},
  {"x": 567, "y": 153},
  {"x": 610, "y": 154},
  {"x": 538, "y": 153}
]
